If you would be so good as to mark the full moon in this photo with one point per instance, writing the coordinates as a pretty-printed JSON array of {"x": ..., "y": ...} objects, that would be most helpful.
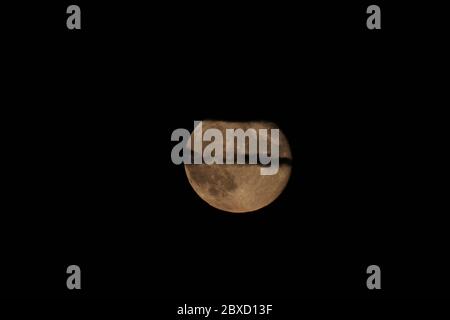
[{"x": 240, "y": 188}]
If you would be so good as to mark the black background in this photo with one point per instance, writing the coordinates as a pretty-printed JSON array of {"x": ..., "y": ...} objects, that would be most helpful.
[{"x": 88, "y": 116}]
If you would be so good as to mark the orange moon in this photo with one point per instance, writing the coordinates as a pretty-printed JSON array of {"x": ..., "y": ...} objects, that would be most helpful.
[{"x": 240, "y": 188}]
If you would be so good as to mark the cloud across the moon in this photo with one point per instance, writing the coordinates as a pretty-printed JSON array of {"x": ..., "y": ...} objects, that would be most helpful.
[{"x": 240, "y": 187}]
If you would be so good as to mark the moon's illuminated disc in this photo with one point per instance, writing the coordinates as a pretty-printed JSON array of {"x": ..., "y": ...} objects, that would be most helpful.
[{"x": 240, "y": 187}]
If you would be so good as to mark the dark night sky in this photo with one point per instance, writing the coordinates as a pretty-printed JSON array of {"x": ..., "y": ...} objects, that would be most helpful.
[{"x": 92, "y": 182}]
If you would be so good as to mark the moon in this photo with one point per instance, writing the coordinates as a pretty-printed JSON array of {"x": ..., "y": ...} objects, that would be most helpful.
[{"x": 240, "y": 188}]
